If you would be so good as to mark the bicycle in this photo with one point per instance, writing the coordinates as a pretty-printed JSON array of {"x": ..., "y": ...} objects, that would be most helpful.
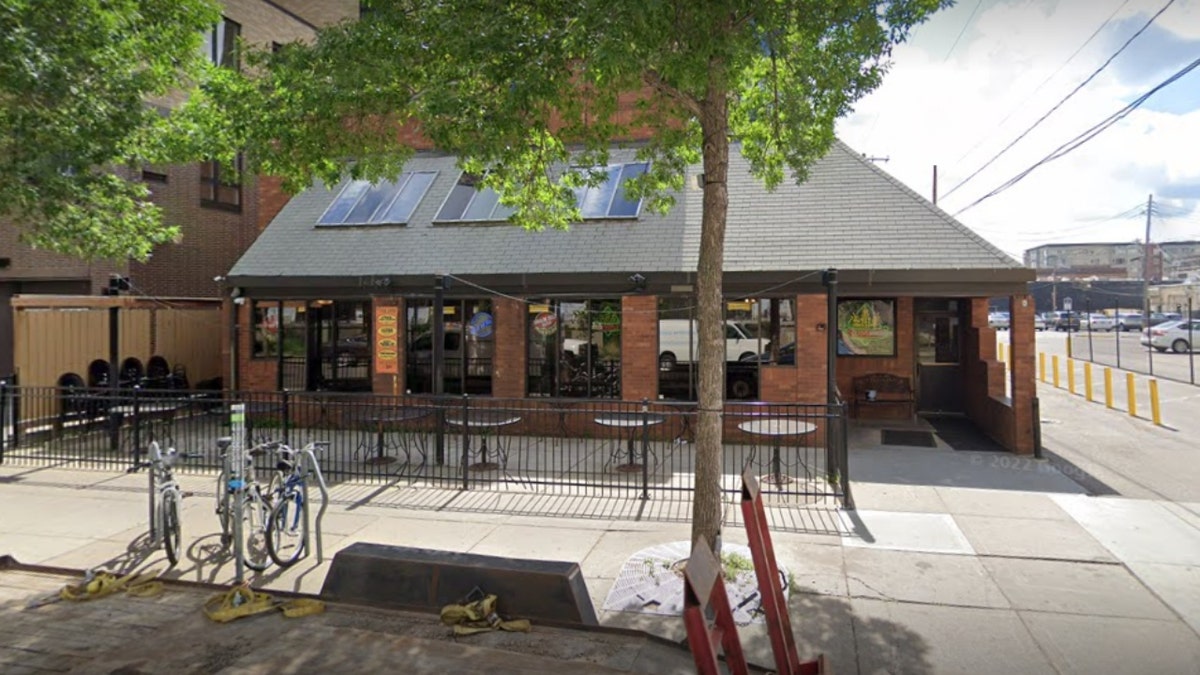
[
  {"x": 165, "y": 496},
  {"x": 287, "y": 526},
  {"x": 239, "y": 492}
]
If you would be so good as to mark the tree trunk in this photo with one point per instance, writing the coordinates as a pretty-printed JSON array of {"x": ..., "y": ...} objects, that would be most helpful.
[{"x": 706, "y": 508}]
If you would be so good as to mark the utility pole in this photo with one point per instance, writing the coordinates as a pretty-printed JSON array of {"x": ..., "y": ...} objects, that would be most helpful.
[
  {"x": 1146, "y": 265},
  {"x": 935, "y": 184}
]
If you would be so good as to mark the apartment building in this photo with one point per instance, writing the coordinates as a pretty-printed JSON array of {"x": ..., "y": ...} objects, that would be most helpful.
[{"x": 218, "y": 218}]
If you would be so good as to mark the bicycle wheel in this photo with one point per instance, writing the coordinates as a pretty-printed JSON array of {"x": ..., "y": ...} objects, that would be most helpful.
[
  {"x": 254, "y": 530},
  {"x": 287, "y": 529},
  {"x": 172, "y": 537}
]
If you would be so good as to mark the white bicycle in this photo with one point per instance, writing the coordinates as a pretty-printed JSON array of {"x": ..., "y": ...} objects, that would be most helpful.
[
  {"x": 165, "y": 499},
  {"x": 243, "y": 505}
]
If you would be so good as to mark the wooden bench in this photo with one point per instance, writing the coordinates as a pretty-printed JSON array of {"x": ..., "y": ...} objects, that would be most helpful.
[{"x": 889, "y": 389}]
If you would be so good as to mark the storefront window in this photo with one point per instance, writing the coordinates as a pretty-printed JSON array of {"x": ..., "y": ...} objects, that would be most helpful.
[
  {"x": 468, "y": 346},
  {"x": 270, "y": 330},
  {"x": 759, "y": 332},
  {"x": 574, "y": 348}
]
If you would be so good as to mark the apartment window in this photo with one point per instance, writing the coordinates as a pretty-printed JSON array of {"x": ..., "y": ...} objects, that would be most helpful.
[
  {"x": 608, "y": 199},
  {"x": 150, "y": 176},
  {"x": 382, "y": 203},
  {"x": 469, "y": 201},
  {"x": 221, "y": 186},
  {"x": 220, "y": 43}
]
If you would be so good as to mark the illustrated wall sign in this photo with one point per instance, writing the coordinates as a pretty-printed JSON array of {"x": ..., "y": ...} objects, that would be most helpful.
[
  {"x": 387, "y": 340},
  {"x": 866, "y": 327}
]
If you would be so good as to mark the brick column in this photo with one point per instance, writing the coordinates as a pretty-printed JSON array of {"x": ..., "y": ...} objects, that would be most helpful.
[
  {"x": 1024, "y": 380},
  {"x": 508, "y": 363},
  {"x": 811, "y": 347},
  {"x": 639, "y": 347},
  {"x": 253, "y": 374},
  {"x": 388, "y": 383}
]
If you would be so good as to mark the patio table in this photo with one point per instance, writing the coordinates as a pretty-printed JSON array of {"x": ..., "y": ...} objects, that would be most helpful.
[
  {"x": 393, "y": 417},
  {"x": 485, "y": 421},
  {"x": 633, "y": 422},
  {"x": 776, "y": 428}
]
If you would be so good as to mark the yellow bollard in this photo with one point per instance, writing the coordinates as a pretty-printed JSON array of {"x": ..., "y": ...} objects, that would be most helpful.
[
  {"x": 1155, "y": 412},
  {"x": 1071, "y": 375},
  {"x": 1087, "y": 380},
  {"x": 1042, "y": 366},
  {"x": 1003, "y": 353},
  {"x": 1108, "y": 391},
  {"x": 1054, "y": 364},
  {"x": 1131, "y": 393}
]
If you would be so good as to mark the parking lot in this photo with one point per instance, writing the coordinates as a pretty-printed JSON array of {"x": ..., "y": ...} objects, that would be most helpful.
[{"x": 1119, "y": 350}]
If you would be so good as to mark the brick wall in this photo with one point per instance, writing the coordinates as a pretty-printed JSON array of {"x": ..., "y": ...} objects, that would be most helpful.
[
  {"x": 901, "y": 365},
  {"x": 639, "y": 347},
  {"x": 508, "y": 364},
  {"x": 253, "y": 374}
]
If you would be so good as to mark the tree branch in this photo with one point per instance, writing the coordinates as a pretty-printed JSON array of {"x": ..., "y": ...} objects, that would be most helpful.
[{"x": 653, "y": 79}]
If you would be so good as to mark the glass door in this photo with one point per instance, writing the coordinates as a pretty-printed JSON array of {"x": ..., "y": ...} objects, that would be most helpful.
[{"x": 939, "y": 368}]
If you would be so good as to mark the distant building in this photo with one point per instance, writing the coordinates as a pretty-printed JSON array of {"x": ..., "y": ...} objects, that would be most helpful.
[{"x": 1114, "y": 260}]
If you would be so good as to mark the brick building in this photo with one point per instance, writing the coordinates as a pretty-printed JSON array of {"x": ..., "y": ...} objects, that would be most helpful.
[
  {"x": 341, "y": 292},
  {"x": 218, "y": 221}
]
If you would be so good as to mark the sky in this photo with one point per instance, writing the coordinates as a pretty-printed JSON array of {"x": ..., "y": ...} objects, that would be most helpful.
[{"x": 956, "y": 102}]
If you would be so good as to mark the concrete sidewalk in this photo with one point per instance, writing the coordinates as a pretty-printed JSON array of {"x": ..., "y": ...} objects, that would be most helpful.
[{"x": 955, "y": 562}]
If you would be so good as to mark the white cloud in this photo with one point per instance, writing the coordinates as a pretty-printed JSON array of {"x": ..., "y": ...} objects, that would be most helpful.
[{"x": 952, "y": 112}]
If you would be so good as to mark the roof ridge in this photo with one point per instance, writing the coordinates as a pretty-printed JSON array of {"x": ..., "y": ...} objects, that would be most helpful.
[{"x": 930, "y": 206}]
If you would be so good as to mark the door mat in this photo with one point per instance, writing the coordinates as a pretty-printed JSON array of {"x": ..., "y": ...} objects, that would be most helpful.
[
  {"x": 910, "y": 437},
  {"x": 962, "y": 434}
]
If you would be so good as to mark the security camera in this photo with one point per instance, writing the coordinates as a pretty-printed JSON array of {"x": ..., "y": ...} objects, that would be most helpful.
[
  {"x": 637, "y": 279},
  {"x": 218, "y": 279}
]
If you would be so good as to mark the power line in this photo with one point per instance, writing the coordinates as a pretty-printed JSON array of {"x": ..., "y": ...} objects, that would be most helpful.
[
  {"x": 1083, "y": 138},
  {"x": 1068, "y": 97},
  {"x": 1038, "y": 88},
  {"x": 964, "y": 30}
]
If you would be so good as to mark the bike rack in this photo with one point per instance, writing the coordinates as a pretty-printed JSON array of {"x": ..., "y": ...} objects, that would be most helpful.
[{"x": 316, "y": 470}]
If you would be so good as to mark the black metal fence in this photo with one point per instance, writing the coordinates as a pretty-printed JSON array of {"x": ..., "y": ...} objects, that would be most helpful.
[
  {"x": 1161, "y": 349},
  {"x": 557, "y": 446}
]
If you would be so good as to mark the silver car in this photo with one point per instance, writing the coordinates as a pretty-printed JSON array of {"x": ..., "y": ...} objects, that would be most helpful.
[{"x": 1177, "y": 336}]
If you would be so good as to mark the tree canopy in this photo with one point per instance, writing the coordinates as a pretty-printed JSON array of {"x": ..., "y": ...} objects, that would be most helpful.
[
  {"x": 533, "y": 94},
  {"x": 76, "y": 80}
]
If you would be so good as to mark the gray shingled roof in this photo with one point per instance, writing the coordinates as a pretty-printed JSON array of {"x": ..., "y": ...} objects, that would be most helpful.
[{"x": 849, "y": 215}]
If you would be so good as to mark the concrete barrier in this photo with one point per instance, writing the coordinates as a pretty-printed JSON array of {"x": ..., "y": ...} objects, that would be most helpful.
[{"x": 401, "y": 577}]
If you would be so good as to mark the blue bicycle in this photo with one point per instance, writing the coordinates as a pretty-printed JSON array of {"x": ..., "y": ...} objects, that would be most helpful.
[{"x": 287, "y": 526}]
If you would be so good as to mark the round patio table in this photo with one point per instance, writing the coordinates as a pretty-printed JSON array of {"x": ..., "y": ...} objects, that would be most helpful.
[
  {"x": 484, "y": 420},
  {"x": 390, "y": 417},
  {"x": 776, "y": 428},
  {"x": 632, "y": 421}
]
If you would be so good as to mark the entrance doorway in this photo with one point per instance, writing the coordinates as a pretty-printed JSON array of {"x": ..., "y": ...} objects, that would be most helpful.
[{"x": 938, "y": 351}]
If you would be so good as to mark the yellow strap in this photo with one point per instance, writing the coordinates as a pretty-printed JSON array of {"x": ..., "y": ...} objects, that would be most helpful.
[
  {"x": 237, "y": 602},
  {"x": 479, "y": 617},
  {"x": 104, "y": 584},
  {"x": 294, "y": 609}
]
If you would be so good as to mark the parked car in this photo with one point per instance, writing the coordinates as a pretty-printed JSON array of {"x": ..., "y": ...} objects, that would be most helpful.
[
  {"x": 1000, "y": 320},
  {"x": 787, "y": 356},
  {"x": 1163, "y": 317},
  {"x": 1127, "y": 321},
  {"x": 1178, "y": 336},
  {"x": 1062, "y": 321},
  {"x": 1098, "y": 322},
  {"x": 1039, "y": 322}
]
